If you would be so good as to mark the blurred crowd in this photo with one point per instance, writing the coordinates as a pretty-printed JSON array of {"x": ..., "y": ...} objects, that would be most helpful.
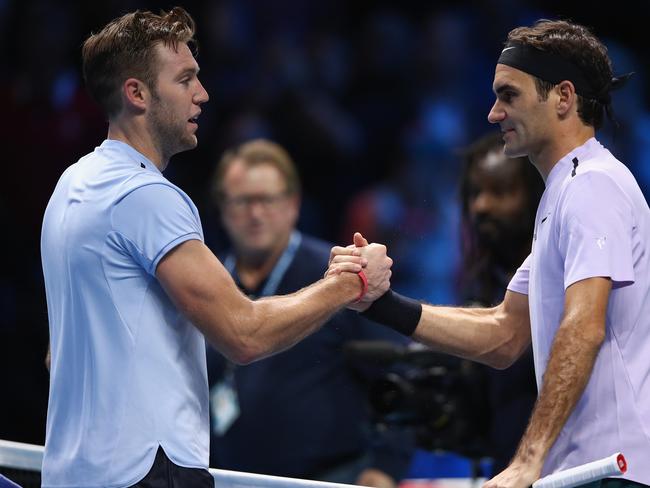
[{"x": 374, "y": 101}]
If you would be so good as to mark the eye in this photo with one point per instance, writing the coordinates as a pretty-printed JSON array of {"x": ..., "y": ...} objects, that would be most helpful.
[{"x": 508, "y": 95}]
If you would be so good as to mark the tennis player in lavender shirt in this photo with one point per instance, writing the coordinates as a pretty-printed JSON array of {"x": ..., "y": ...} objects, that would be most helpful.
[{"x": 582, "y": 295}]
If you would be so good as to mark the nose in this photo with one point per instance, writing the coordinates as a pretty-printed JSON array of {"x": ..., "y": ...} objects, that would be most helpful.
[
  {"x": 482, "y": 204},
  {"x": 496, "y": 114},
  {"x": 201, "y": 95},
  {"x": 256, "y": 209}
]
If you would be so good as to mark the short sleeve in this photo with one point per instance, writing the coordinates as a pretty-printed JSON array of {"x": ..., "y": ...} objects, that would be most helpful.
[
  {"x": 596, "y": 231},
  {"x": 519, "y": 282},
  {"x": 153, "y": 219}
]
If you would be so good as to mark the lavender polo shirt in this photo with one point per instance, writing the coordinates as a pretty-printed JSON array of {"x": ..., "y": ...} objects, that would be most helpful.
[{"x": 594, "y": 221}]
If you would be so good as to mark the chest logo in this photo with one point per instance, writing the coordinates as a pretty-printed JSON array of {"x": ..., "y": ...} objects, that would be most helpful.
[{"x": 600, "y": 242}]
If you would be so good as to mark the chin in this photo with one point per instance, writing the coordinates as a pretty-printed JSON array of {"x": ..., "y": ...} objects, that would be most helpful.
[
  {"x": 261, "y": 252},
  {"x": 257, "y": 245},
  {"x": 190, "y": 143},
  {"x": 513, "y": 151},
  {"x": 488, "y": 235}
]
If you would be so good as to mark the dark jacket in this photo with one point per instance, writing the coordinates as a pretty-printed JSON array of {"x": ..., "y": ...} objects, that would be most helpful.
[{"x": 304, "y": 411}]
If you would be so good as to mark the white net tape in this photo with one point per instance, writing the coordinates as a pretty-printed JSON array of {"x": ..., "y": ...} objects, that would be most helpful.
[{"x": 29, "y": 457}]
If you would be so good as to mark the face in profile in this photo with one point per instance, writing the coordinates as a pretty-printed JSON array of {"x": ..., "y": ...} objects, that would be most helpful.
[
  {"x": 258, "y": 213},
  {"x": 176, "y": 100},
  {"x": 497, "y": 198},
  {"x": 524, "y": 119}
]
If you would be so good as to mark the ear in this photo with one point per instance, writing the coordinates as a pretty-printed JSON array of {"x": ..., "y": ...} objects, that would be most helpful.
[
  {"x": 136, "y": 94},
  {"x": 567, "y": 97}
]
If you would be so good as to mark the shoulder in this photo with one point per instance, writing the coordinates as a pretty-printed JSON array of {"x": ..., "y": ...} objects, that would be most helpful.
[
  {"x": 153, "y": 204},
  {"x": 594, "y": 200},
  {"x": 309, "y": 263},
  {"x": 151, "y": 189},
  {"x": 315, "y": 249},
  {"x": 596, "y": 186}
]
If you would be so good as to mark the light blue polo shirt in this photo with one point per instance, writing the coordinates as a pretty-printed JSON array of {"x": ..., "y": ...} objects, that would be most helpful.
[{"x": 128, "y": 370}]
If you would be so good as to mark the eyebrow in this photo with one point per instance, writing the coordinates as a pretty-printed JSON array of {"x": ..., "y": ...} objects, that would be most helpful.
[
  {"x": 188, "y": 71},
  {"x": 505, "y": 87}
]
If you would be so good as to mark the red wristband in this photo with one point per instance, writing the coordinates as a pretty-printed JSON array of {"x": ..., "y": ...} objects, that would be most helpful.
[{"x": 364, "y": 284}]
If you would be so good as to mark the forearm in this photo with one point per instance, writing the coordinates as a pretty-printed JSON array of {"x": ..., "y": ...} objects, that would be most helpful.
[
  {"x": 241, "y": 329},
  {"x": 277, "y": 323},
  {"x": 569, "y": 368},
  {"x": 486, "y": 335}
]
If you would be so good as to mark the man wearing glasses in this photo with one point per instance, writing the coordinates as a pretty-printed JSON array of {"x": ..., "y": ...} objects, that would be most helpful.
[{"x": 304, "y": 407}]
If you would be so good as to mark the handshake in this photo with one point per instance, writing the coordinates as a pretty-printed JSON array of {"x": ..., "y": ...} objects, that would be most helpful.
[{"x": 371, "y": 259}]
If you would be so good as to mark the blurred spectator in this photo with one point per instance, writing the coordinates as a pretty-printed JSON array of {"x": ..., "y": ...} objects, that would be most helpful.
[
  {"x": 303, "y": 412},
  {"x": 499, "y": 198}
]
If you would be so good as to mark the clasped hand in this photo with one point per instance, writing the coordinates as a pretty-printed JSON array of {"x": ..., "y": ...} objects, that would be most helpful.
[{"x": 371, "y": 258}]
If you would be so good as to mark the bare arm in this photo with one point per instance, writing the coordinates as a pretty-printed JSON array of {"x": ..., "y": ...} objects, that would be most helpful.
[
  {"x": 575, "y": 347},
  {"x": 245, "y": 330},
  {"x": 375, "y": 478},
  {"x": 494, "y": 336}
]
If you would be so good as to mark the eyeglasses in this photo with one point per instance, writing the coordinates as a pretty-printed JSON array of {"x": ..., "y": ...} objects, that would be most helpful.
[{"x": 267, "y": 202}]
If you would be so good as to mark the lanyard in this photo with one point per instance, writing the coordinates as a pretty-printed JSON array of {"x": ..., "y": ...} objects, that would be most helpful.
[{"x": 279, "y": 269}]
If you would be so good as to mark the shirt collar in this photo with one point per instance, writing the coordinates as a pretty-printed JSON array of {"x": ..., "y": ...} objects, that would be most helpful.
[
  {"x": 133, "y": 154},
  {"x": 584, "y": 152}
]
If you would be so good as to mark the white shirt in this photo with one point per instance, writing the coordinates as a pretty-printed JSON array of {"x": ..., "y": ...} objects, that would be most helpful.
[
  {"x": 593, "y": 222},
  {"x": 128, "y": 370}
]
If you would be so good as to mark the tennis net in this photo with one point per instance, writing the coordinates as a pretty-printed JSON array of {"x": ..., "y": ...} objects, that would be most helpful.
[{"x": 21, "y": 463}]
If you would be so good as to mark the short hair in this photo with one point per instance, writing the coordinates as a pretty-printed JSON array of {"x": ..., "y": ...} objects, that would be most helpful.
[
  {"x": 125, "y": 48},
  {"x": 581, "y": 47},
  {"x": 254, "y": 153}
]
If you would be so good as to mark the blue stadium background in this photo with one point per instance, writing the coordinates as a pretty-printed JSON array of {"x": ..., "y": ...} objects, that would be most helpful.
[{"x": 373, "y": 100}]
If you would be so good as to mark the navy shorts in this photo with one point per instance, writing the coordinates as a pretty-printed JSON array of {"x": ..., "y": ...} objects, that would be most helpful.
[{"x": 165, "y": 474}]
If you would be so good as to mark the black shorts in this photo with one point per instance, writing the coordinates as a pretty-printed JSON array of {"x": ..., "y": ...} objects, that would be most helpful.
[{"x": 165, "y": 474}]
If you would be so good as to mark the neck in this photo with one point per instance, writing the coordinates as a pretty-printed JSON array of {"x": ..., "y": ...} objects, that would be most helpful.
[
  {"x": 565, "y": 140},
  {"x": 132, "y": 131},
  {"x": 255, "y": 267}
]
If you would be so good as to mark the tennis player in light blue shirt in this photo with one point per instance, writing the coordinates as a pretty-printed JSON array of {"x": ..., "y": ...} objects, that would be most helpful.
[
  {"x": 117, "y": 340},
  {"x": 132, "y": 289}
]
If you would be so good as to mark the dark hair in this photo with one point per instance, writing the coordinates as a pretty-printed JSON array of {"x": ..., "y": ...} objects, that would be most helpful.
[
  {"x": 125, "y": 49},
  {"x": 253, "y": 153},
  {"x": 578, "y": 45},
  {"x": 477, "y": 280}
]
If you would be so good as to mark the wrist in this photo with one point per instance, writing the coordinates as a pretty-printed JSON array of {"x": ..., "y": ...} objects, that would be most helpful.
[
  {"x": 395, "y": 311},
  {"x": 530, "y": 454},
  {"x": 352, "y": 284},
  {"x": 364, "y": 286}
]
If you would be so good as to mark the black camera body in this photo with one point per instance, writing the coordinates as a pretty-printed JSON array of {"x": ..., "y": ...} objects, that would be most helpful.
[{"x": 442, "y": 398}]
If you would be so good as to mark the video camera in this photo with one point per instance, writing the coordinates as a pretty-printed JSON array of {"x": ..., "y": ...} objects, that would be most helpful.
[{"x": 441, "y": 397}]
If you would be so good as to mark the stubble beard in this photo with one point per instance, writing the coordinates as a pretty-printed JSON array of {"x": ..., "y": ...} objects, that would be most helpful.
[
  {"x": 514, "y": 151},
  {"x": 169, "y": 135}
]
